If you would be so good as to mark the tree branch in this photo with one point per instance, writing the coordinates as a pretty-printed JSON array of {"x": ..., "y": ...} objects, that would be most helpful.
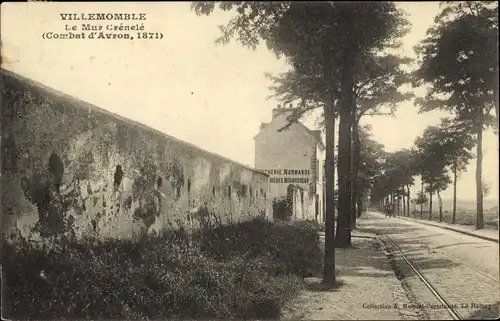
[{"x": 294, "y": 118}]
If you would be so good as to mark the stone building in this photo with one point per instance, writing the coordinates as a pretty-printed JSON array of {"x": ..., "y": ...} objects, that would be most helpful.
[{"x": 294, "y": 159}]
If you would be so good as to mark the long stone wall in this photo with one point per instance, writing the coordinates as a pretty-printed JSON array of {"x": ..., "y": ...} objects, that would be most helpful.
[{"x": 70, "y": 167}]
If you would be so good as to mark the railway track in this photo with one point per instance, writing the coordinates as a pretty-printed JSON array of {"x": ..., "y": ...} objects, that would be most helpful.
[
  {"x": 486, "y": 275},
  {"x": 452, "y": 309},
  {"x": 449, "y": 307}
]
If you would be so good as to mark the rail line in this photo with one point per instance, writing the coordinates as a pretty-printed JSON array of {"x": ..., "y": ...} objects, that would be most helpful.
[
  {"x": 466, "y": 264},
  {"x": 458, "y": 260},
  {"x": 449, "y": 308}
]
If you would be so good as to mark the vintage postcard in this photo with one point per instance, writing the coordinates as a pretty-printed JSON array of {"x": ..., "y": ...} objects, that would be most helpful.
[{"x": 249, "y": 160}]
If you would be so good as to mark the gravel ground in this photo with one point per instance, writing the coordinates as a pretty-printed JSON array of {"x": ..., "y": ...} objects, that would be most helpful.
[
  {"x": 487, "y": 232},
  {"x": 367, "y": 289},
  {"x": 448, "y": 260}
]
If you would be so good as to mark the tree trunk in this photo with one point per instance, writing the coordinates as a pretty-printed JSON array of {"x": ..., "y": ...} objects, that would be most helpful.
[
  {"x": 479, "y": 170},
  {"x": 403, "y": 202},
  {"x": 440, "y": 207},
  {"x": 496, "y": 105},
  {"x": 356, "y": 150},
  {"x": 422, "y": 204},
  {"x": 430, "y": 206},
  {"x": 453, "y": 217},
  {"x": 329, "y": 266},
  {"x": 360, "y": 202},
  {"x": 343, "y": 237},
  {"x": 397, "y": 207},
  {"x": 408, "y": 200}
]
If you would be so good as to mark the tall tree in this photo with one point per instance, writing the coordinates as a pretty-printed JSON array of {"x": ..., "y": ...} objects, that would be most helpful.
[
  {"x": 350, "y": 24},
  {"x": 459, "y": 59},
  {"x": 397, "y": 173},
  {"x": 298, "y": 37},
  {"x": 325, "y": 39},
  {"x": 443, "y": 148},
  {"x": 377, "y": 92},
  {"x": 401, "y": 170},
  {"x": 421, "y": 200},
  {"x": 418, "y": 167},
  {"x": 456, "y": 145},
  {"x": 486, "y": 188},
  {"x": 372, "y": 155},
  {"x": 432, "y": 161},
  {"x": 329, "y": 39},
  {"x": 437, "y": 180}
]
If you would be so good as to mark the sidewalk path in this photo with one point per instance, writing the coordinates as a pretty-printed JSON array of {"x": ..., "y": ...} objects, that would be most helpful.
[
  {"x": 368, "y": 288},
  {"x": 485, "y": 234},
  {"x": 463, "y": 268}
]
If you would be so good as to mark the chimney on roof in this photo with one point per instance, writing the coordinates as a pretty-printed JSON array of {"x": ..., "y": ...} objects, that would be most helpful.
[
  {"x": 281, "y": 109},
  {"x": 276, "y": 111}
]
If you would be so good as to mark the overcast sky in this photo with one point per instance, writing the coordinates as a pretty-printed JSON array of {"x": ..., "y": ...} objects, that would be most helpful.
[{"x": 187, "y": 86}]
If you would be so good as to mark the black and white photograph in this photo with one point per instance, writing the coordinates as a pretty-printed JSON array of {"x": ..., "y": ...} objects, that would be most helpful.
[{"x": 252, "y": 160}]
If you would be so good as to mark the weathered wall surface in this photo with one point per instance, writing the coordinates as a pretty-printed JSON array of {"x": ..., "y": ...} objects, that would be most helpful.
[
  {"x": 70, "y": 167},
  {"x": 303, "y": 205}
]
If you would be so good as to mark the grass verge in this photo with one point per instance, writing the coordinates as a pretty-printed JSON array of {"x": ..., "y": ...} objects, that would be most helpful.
[
  {"x": 462, "y": 217},
  {"x": 246, "y": 270}
]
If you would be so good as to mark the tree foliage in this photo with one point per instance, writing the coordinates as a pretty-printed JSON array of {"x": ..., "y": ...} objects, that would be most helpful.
[
  {"x": 459, "y": 59},
  {"x": 421, "y": 199},
  {"x": 397, "y": 172},
  {"x": 432, "y": 161},
  {"x": 486, "y": 188},
  {"x": 440, "y": 149},
  {"x": 314, "y": 37},
  {"x": 324, "y": 43},
  {"x": 371, "y": 157},
  {"x": 377, "y": 87},
  {"x": 400, "y": 168},
  {"x": 378, "y": 84}
]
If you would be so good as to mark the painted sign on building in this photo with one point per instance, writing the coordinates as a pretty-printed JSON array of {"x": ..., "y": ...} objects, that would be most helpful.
[
  {"x": 288, "y": 176},
  {"x": 293, "y": 158}
]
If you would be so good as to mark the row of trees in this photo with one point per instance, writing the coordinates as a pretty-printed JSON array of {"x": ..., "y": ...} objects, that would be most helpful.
[
  {"x": 438, "y": 156},
  {"x": 459, "y": 65},
  {"x": 338, "y": 54}
]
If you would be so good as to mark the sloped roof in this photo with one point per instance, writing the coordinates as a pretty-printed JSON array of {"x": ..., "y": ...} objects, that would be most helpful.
[{"x": 315, "y": 134}]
